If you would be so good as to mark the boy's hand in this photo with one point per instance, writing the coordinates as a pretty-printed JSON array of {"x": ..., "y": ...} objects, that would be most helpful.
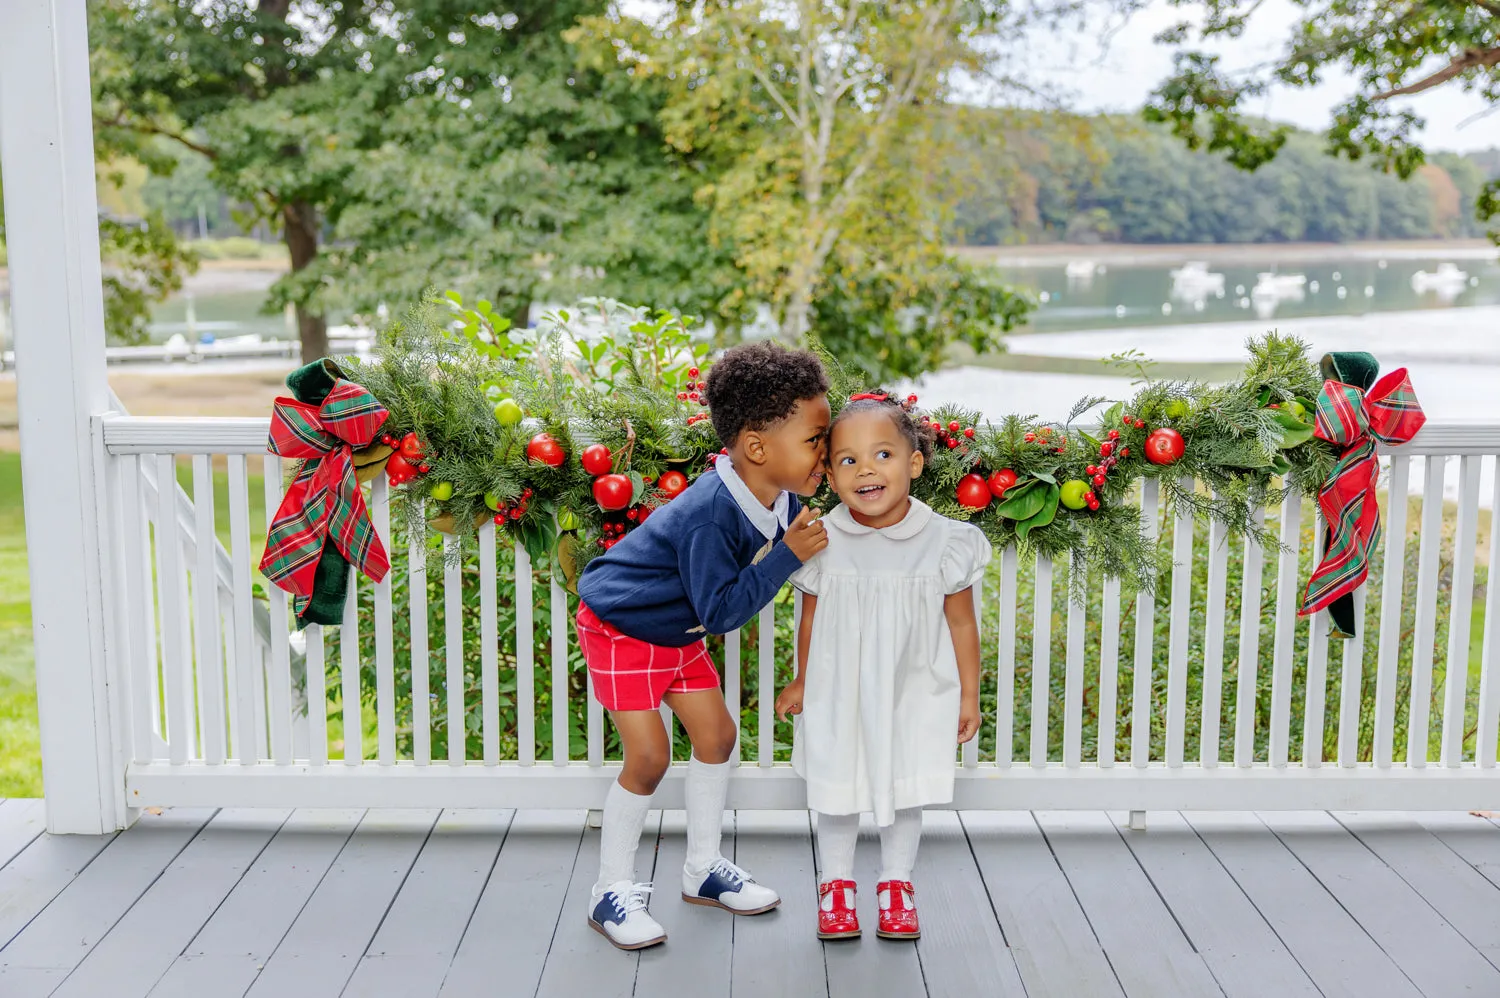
[
  {"x": 790, "y": 700},
  {"x": 968, "y": 719},
  {"x": 806, "y": 536}
]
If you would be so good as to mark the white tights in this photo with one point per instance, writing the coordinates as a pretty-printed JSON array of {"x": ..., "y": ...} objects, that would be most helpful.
[{"x": 837, "y": 834}]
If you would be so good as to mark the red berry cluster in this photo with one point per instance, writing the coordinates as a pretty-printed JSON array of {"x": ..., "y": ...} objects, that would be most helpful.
[
  {"x": 949, "y": 435},
  {"x": 1043, "y": 436},
  {"x": 615, "y": 530},
  {"x": 1107, "y": 460},
  {"x": 408, "y": 462},
  {"x": 712, "y": 458},
  {"x": 517, "y": 510},
  {"x": 694, "y": 391}
]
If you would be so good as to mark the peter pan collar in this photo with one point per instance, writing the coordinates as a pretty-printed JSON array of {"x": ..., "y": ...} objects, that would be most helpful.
[
  {"x": 917, "y": 516},
  {"x": 767, "y": 521}
]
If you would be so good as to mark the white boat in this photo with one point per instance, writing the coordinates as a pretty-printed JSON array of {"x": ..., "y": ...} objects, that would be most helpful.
[
  {"x": 1268, "y": 285},
  {"x": 1447, "y": 277},
  {"x": 1193, "y": 280},
  {"x": 1080, "y": 270}
]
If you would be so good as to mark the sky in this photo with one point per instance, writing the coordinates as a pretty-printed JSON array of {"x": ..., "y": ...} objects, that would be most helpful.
[{"x": 1117, "y": 75}]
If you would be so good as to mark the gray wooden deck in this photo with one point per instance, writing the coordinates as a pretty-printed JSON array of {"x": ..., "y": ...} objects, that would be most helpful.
[{"x": 203, "y": 904}]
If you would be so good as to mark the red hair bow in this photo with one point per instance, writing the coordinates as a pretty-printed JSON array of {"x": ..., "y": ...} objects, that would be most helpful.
[{"x": 873, "y": 396}]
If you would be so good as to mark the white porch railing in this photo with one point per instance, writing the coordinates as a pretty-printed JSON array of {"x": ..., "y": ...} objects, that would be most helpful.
[{"x": 210, "y": 711}]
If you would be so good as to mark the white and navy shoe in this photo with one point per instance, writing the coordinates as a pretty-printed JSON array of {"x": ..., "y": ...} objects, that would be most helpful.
[
  {"x": 620, "y": 915},
  {"x": 724, "y": 885}
]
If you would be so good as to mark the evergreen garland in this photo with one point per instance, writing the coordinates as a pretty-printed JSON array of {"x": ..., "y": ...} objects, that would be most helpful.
[{"x": 621, "y": 376}]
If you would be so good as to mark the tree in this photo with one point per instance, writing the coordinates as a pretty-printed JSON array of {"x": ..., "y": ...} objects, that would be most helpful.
[
  {"x": 820, "y": 130},
  {"x": 1392, "y": 50}
]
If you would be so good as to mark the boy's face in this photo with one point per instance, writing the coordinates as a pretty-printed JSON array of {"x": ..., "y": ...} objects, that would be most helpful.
[{"x": 793, "y": 452}]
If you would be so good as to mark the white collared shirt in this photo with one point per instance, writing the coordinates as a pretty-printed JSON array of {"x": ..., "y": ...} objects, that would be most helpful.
[{"x": 767, "y": 521}]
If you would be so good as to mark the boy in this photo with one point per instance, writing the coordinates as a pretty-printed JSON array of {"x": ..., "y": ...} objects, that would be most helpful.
[{"x": 706, "y": 562}]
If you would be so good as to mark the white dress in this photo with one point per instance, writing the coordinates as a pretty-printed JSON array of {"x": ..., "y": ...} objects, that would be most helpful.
[{"x": 879, "y": 722}]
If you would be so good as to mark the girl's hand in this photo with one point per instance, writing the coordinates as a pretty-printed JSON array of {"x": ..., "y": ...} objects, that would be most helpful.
[
  {"x": 968, "y": 719},
  {"x": 790, "y": 700}
]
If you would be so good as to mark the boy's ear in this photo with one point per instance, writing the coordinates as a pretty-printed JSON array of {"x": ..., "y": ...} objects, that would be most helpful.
[
  {"x": 917, "y": 464},
  {"x": 753, "y": 446}
]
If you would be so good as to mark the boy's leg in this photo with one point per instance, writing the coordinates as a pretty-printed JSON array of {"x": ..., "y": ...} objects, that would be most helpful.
[
  {"x": 646, "y": 756},
  {"x": 707, "y": 877}
]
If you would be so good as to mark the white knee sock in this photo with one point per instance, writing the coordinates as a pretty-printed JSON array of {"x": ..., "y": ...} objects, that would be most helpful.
[
  {"x": 837, "y": 834},
  {"x": 705, "y": 789},
  {"x": 620, "y": 835},
  {"x": 898, "y": 844}
]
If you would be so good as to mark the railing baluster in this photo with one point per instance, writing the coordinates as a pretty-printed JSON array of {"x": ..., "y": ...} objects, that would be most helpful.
[
  {"x": 1315, "y": 696},
  {"x": 421, "y": 656},
  {"x": 168, "y": 570},
  {"x": 1249, "y": 656},
  {"x": 1351, "y": 686},
  {"x": 245, "y": 661},
  {"x": 317, "y": 697},
  {"x": 135, "y": 544},
  {"x": 1041, "y": 661},
  {"x": 1461, "y": 604},
  {"x": 385, "y": 653},
  {"x": 1005, "y": 677},
  {"x": 353, "y": 710},
  {"x": 1426, "y": 614},
  {"x": 1213, "y": 644},
  {"x": 1177, "y": 647},
  {"x": 560, "y": 747},
  {"x": 970, "y": 752},
  {"x": 731, "y": 689},
  {"x": 1073, "y": 676},
  {"x": 1109, "y": 671},
  {"x": 1390, "y": 611},
  {"x": 1286, "y": 630},
  {"x": 280, "y": 678},
  {"x": 1489, "y": 681},
  {"x": 596, "y": 724},
  {"x": 766, "y": 696},
  {"x": 453, "y": 641},
  {"x": 489, "y": 638},
  {"x": 206, "y": 613},
  {"x": 1145, "y": 637},
  {"x": 525, "y": 663}
]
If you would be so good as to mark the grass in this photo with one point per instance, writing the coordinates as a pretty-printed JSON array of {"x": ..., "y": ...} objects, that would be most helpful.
[{"x": 20, "y": 743}]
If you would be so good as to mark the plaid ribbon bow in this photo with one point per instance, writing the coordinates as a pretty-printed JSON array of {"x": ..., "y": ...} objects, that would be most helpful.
[
  {"x": 1354, "y": 419},
  {"x": 324, "y": 502}
]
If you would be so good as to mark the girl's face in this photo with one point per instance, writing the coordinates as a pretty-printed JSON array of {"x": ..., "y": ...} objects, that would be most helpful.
[{"x": 872, "y": 467}]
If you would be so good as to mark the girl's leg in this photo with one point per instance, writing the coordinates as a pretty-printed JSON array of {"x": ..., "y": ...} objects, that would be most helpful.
[
  {"x": 646, "y": 757},
  {"x": 898, "y": 844},
  {"x": 837, "y": 834},
  {"x": 711, "y": 731}
]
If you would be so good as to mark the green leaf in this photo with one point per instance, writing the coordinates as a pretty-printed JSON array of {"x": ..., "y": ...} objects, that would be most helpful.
[
  {"x": 1023, "y": 500},
  {"x": 1264, "y": 398},
  {"x": 1112, "y": 414},
  {"x": 1045, "y": 475},
  {"x": 1281, "y": 466},
  {"x": 1293, "y": 430},
  {"x": 1042, "y": 516},
  {"x": 637, "y": 487},
  {"x": 455, "y": 298},
  {"x": 483, "y": 307},
  {"x": 1091, "y": 441}
]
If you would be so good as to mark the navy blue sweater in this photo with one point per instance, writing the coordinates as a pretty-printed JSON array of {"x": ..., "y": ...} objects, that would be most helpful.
[{"x": 688, "y": 569}]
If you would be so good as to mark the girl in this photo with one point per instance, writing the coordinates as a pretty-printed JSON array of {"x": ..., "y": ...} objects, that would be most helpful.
[{"x": 888, "y": 655}]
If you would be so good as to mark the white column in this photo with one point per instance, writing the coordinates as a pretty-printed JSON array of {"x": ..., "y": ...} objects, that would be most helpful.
[{"x": 51, "y": 217}]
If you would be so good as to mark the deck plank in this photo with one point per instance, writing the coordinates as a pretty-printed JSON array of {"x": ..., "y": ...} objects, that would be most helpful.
[
  {"x": 229, "y": 950},
  {"x": 102, "y": 892},
  {"x": 1475, "y": 840},
  {"x": 962, "y": 950},
  {"x": 582, "y": 962},
  {"x": 21, "y": 821},
  {"x": 1434, "y": 956},
  {"x": 1330, "y": 946},
  {"x": 701, "y": 940},
  {"x": 1055, "y": 948},
  {"x": 868, "y": 965},
  {"x": 324, "y": 945},
  {"x": 39, "y": 873},
  {"x": 1454, "y": 889},
  {"x": 1242, "y": 951},
  {"x": 1147, "y": 949},
  {"x": 530, "y": 876},
  {"x": 143, "y": 944},
  {"x": 778, "y": 953},
  {"x": 411, "y": 953}
]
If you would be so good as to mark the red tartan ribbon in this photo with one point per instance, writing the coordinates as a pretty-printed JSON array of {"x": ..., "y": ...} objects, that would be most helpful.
[
  {"x": 1353, "y": 419},
  {"x": 324, "y": 502}
]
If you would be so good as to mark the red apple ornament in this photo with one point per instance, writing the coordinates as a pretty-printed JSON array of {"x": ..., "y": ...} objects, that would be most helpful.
[
  {"x": 412, "y": 449},
  {"x": 973, "y": 492},
  {"x": 672, "y": 484},
  {"x": 1164, "y": 446},
  {"x": 612, "y": 492},
  {"x": 543, "y": 449},
  {"x": 596, "y": 459},
  {"x": 1000, "y": 481}
]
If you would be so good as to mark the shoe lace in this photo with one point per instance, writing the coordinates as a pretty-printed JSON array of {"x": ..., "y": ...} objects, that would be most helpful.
[
  {"x": 633, "y": 898},
  {"x": 729, "y": 871}
]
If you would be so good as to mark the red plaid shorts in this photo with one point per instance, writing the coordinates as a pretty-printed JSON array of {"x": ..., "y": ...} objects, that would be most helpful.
[{"x": 630, "y": 674}]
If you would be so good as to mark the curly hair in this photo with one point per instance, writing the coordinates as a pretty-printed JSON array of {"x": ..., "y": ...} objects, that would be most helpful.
[
  {"x": 917, "y": 431},
  {"x": 756, "y": 385}
]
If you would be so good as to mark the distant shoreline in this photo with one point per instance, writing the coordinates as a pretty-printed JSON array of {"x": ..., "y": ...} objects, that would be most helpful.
[{"x": 1138, "y": 254}]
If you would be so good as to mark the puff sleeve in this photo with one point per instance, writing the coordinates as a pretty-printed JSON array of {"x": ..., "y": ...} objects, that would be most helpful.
[
  {"x": 809, "y": 577},
  {"x": 965, "y": 555}
]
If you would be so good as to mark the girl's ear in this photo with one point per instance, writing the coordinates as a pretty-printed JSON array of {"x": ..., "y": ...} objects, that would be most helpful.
[{"x": 917, "y": 464}]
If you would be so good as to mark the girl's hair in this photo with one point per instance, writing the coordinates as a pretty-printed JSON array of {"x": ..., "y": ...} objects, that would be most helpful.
[{"x": 916, "y": 430}]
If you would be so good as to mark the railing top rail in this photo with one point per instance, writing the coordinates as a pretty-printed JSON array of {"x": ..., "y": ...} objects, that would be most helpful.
[{"x": 219, "y": 435}]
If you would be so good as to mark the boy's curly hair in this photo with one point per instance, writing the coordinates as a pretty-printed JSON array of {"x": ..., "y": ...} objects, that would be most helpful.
[
  {"x": 914, "y": 427},
  {"x": 756, "y": 385}
]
